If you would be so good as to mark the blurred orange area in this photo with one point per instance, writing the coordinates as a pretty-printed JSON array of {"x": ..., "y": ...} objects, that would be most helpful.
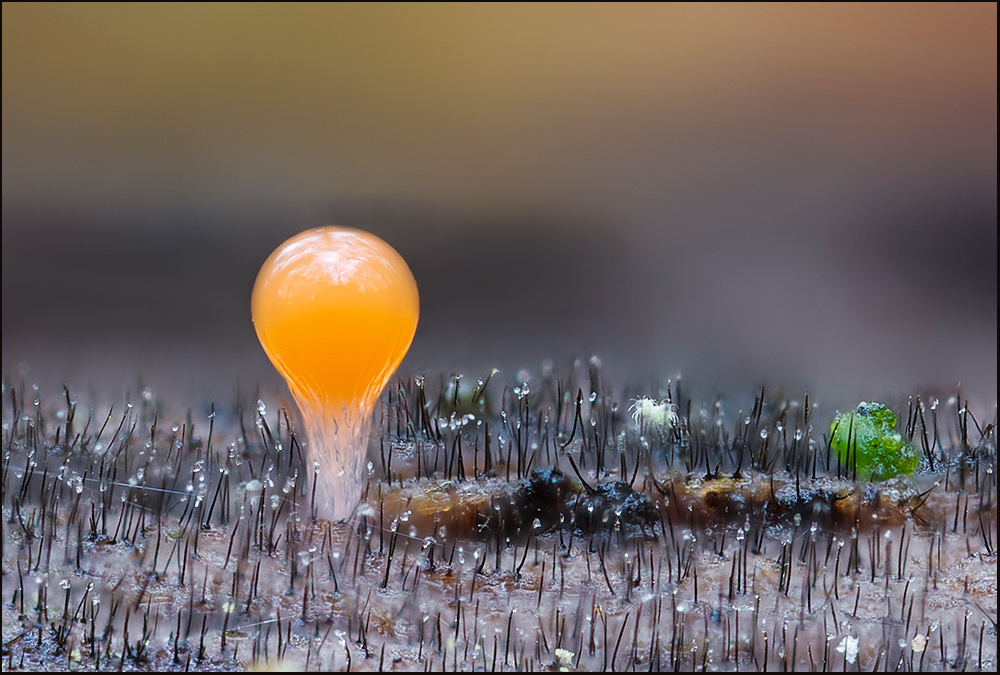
[{"x": 299, "y": 100}]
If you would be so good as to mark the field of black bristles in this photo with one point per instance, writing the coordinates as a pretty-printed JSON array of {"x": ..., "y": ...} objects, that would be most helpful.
[{"x": 558, "y": 523}]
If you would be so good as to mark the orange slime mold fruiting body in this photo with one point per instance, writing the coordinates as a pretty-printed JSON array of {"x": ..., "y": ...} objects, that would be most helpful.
[{"x": 335, "y": 310}]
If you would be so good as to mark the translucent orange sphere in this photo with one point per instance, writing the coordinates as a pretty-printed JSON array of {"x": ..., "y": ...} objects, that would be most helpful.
[{"x": 335, "y": 309}]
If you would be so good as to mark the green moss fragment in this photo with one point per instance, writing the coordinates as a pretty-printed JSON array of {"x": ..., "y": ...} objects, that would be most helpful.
[{"x": 867, "y": 436}]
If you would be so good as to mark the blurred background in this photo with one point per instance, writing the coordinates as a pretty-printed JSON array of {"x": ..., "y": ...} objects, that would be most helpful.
[{"x": 799, "y": 194}]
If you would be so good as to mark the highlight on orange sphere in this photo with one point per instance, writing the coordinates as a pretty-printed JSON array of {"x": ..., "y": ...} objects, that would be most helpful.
[{"x": 335, "y": 309}]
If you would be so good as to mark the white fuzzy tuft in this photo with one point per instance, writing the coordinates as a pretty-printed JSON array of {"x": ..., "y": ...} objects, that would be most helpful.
[{"x": 650, "y": 412}]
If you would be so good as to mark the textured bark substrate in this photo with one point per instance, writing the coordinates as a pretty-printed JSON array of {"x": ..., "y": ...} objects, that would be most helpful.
[{"x": 545, "y": 530}]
